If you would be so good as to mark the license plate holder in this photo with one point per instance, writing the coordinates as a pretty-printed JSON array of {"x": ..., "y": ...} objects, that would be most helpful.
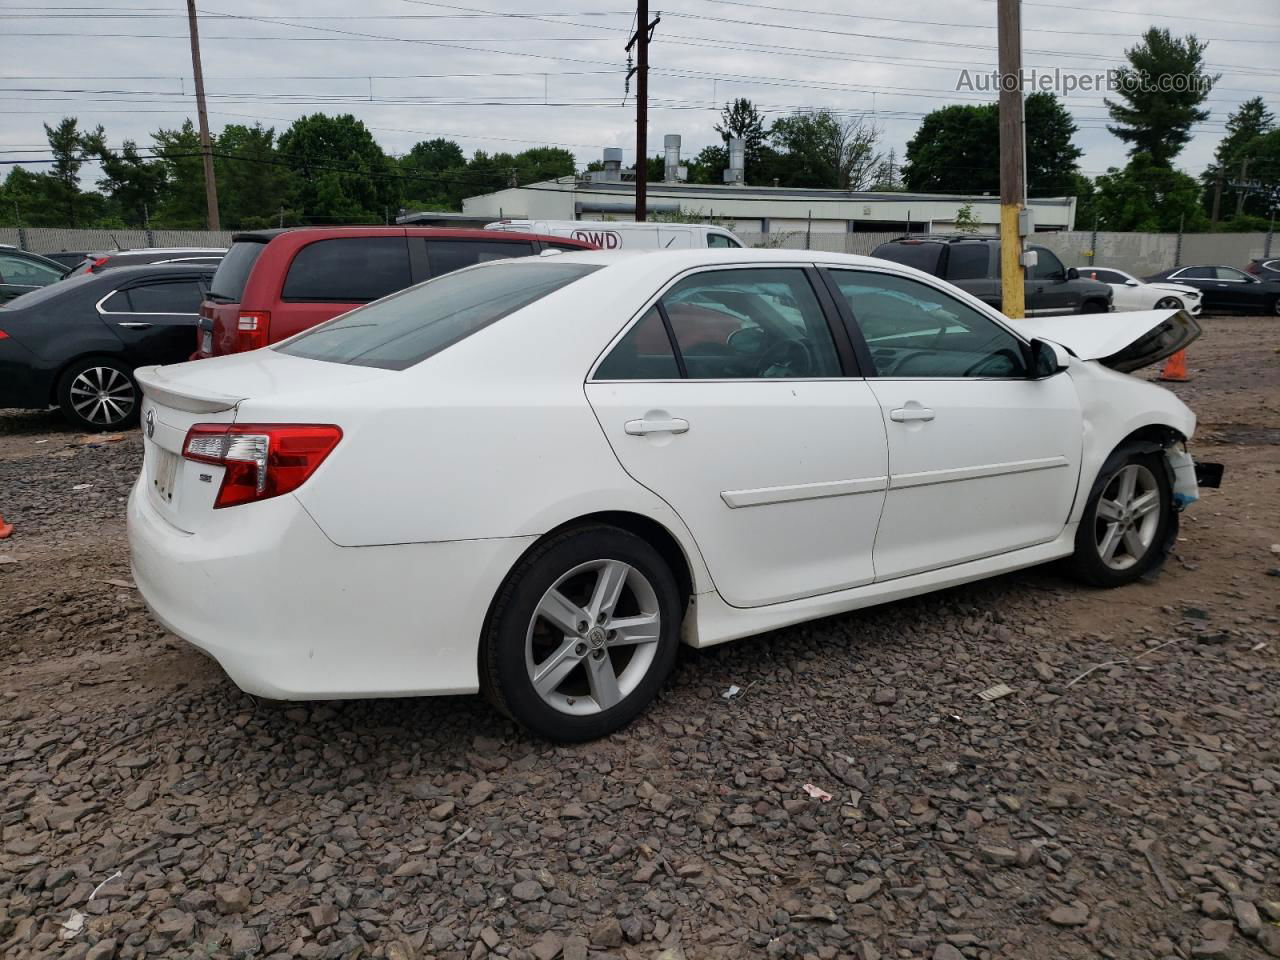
[
  {"x": 164, "y": 475},
  {"x": 206, "y": 342}
]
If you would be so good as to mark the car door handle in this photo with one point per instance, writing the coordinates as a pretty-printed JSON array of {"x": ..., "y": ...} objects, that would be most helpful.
[
  {"x": 907, "y": 414},
  {"x": 639, "y": 428},
  {"x": 135, "y": 325}
]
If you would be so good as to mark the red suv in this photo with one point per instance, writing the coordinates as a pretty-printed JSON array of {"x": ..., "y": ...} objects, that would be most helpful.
[{"x": 275, "y": 283}]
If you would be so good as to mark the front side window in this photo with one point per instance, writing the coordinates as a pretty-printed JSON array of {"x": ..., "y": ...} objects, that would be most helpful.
[
  {"x": 914, "y": 330},
  {"x": 445, "y": 256},
  {"x": 1102, "y": 276},
  {"x": 347, "y": 270},
  {"x": 1048, "y": 266},
  {"x": 1195, "y": 273},
  {"x": 27, "y": 273},
  {"x": 719, "y": 240},
  {"x": 402, "y": 330}
]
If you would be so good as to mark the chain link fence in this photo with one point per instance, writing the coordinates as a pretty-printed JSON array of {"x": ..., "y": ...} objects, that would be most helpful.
[{"x": 60, "y": 239}]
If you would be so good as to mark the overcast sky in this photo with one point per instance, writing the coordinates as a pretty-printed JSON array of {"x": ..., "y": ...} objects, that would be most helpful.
[{"x": 551, "y": 71}]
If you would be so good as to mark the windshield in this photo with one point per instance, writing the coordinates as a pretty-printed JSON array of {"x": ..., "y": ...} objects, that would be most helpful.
[
  {"x": 233, "y": 272},
  {"x": 407, "y": 327}
]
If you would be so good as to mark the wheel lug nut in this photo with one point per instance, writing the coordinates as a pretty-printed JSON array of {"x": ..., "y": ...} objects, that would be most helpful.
[
  {"x": 580, "y": 649},
  {"x": 598, "y": 654},
  {"x": 613, "y": 634},
  {"x": 600, "y": 619},
  {"x": 582, "y": 626}
]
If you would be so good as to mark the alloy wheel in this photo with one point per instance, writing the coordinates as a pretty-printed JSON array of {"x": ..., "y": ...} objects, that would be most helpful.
[
  {"x": 1169, "y": 303},
  {"x": 593, "y": 637},
  {"x": 103, "y": 396},
  {"x": 1127, "y": 517}
]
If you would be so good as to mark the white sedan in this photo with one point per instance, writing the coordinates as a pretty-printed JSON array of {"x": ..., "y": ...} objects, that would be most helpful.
[
  {"x": 537, "y": 477},
  {"x": 1134, "y": 294}
]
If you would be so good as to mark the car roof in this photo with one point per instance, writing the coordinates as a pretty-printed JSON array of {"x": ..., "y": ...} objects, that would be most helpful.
[
  {"x": 144, "y": 251},
  {"x": 121, "y": 274},
  {"x": 374, "y": 230}
]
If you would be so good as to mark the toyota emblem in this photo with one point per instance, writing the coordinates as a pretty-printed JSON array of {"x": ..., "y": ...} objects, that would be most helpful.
[{"x": 151, "y": 424}]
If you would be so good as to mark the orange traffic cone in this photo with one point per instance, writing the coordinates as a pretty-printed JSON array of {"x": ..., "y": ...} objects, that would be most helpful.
[
  {"x": 5, "y": 528},
  {"x": 1175, "y": 368}
]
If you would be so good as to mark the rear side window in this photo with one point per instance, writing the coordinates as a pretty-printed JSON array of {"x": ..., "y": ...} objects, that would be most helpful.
[
  {"x": 233, "y": 271},
  {"x": 1196, "y": 273},
  {"x": 968, "y": 261},
  {"x": 922, "y": 256},
  {"x": 643, "y": 354},
  {"x": 176, "y": 297},
  {"x": 348, "y": 270},
  {"x": 403, "y": 330},
  {"x": 445, "y": 256}
]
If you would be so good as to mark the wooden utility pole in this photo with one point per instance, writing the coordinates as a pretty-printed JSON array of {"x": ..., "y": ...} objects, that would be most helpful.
[
  {"x": 1013, "y": 181},
  {"x": 1217, "y": 197},
  {"x": 1242, "y": 192},
  {"x": 206, "y": 148},
  {"x": 640, "y": 40}
]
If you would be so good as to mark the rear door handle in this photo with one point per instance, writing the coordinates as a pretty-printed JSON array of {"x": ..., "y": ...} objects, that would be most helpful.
[
  {"x": 639, "y": 428},
  {"x": 907, "y": 414},
  {"x": 134, "y": 325}
]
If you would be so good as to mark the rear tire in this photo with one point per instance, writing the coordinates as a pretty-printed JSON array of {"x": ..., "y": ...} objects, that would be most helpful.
[
  {"x": 1124, "y": 529},
  {"x": 99, "y": 393},
  {"x": 582, "y": 634}
]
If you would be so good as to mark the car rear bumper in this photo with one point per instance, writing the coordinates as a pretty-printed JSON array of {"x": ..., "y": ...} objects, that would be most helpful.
[{"x": 291, "y": 616}]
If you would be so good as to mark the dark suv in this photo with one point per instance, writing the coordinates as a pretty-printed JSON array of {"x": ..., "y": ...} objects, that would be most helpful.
[{"x": 972, "y": 263}]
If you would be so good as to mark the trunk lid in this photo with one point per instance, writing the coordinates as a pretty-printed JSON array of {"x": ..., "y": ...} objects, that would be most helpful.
[
  {"x": 1121, "y": 341},
  {"x": 178, "y": 396}
]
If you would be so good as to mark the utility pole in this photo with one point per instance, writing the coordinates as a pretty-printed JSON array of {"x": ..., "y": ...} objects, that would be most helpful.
[
  {"x": 640, "y": 40},
  {"x": 1013, "y": 181},
  {"x": 1217, "y": 197},
  {"x": 206, "y": 148},
  {"x": 1243, "y": 190}
]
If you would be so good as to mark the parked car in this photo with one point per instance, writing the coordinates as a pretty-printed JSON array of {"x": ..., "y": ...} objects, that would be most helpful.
[
  {"x": 1264, "y": 268},
  {"x": 557, "y": 468},
  {"x": 616, "y": 235},
  {"x": 97, "y": 262},
  {"x": 1130, "y": 293},
  {"x": 1226, "y": 289},
  {"x": 75, "y": 344},
  {"x": 21, "y": 272},
  {"x": 69, "y": 259},
  {"x": 972, "y": 263},
  {"x": 275, "y": 283}
]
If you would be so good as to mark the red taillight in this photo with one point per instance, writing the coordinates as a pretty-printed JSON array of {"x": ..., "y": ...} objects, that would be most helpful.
[
  {"x": 93, "y": 267},
  {"x": 262, "y": 460},
  {"x": 3, "y": 335},
  {"x": 252, "y": 327}
]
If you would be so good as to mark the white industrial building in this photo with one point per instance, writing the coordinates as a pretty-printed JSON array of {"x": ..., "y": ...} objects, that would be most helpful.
[{"x": 751, "y": 209}]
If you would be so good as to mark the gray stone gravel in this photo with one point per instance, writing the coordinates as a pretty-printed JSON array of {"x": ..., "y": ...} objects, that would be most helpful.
[{"x": 1134, "y": 814}]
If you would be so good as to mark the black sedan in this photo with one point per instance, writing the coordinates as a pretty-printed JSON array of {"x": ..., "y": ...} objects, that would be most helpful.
[
  {"x": 21, "y": 272},
  {"x": 1226, "y": 289},
  {"x": 76, "y": 343}
]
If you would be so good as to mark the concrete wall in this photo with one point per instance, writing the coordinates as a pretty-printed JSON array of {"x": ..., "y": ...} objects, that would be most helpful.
[{"x": 58, "y": 239}]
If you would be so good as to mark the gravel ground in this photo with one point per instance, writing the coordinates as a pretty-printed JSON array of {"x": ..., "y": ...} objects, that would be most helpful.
[{"x": 1122, "y": 802}]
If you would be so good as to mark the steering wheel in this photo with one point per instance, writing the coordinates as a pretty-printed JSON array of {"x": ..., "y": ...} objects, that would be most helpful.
[
  {"x": 792, "y": 354},
  {"x": 976, "y": 369}
]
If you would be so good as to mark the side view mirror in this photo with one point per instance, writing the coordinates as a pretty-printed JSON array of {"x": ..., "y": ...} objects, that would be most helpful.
[
  {"x": 1073, "y": 273},
  {"x": 1046, "y": 359},
  {"x": 1131, "y": 283}
]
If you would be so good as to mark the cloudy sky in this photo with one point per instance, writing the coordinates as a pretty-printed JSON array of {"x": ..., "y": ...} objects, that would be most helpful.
[{"x": 508, "y": 74}]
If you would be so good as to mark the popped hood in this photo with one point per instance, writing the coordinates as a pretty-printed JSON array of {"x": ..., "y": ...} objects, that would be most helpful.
[{"x": 1121, "y": 341}]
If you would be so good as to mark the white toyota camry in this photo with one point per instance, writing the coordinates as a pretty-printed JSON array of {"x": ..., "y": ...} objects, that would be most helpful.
[{"x": 536, "y": 477}]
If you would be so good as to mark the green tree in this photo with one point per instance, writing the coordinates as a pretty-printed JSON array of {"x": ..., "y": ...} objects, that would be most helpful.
[
  {"x": 709, "y": 165},
  {"x": 67, "y": 144},
  {"x": 1149, "y": 198},
  {"x": 1246, "y": 125},
  {"x": 965, "y": 220},
  {"x": 741, "y": 119},
  {"x": 810, "y": 144},
  {"x": 254, "y": 182},
  {"x": 956, "y": 149},
  {"x": 182, "y": 204},
  {"x": 133, "y": 183},
  {"x": 1161, "y": 91},
  {"x": 340, "y": 173}
]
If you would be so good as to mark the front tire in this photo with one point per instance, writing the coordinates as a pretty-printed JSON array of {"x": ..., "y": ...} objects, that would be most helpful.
[
  {"x": 1122, "y": 534},
  {"x": 1093, "y": 306},
  {"x": 1169, "y": 303},
  {"x": 582, "y": 634},
  {"x": 99, "y": 393}
]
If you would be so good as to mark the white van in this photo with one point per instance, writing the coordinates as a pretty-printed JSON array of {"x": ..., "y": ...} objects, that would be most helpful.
[{"x": 613, "y": 235}]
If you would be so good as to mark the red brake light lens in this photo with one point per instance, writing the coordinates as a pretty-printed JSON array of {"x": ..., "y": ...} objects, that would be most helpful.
[
  {"x": 3, "y": 335},
  {"x": 262, "y": 460},
  {"x": 101, "y": 261},
  {"x": 252, "y": 329}
]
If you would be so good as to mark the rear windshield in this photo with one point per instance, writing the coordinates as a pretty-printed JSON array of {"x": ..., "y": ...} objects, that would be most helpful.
[
  {"x": 53, "y": 290},
  {"x": 922, "y": 256},
  {"x": 410, "y": 326},
  {"x": 233, "y": 272}
]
